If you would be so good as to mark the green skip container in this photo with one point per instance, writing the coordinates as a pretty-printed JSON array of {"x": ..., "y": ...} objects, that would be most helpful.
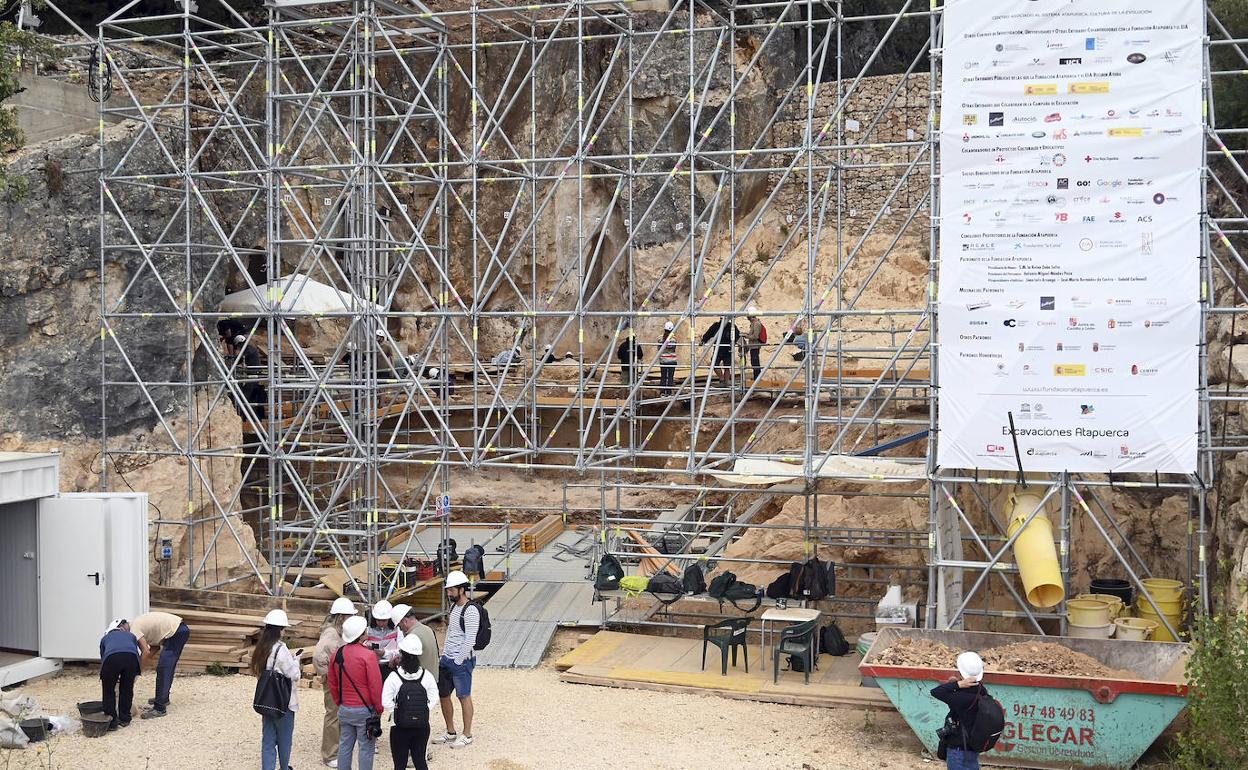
[{"x": 1050, "y": 721}]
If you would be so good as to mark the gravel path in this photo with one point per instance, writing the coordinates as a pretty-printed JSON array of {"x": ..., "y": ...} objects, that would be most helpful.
[{"x": 526, "y": 719}]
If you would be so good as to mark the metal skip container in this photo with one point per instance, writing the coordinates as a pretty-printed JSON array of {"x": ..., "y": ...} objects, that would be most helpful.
[{"x": 1050, "y": 721}]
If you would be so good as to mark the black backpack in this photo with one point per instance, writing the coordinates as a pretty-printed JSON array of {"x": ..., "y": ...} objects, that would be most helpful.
[
  {"x": 666, "y": 587},
  {"x": 484, "y": 632},
  {"x": 743, "y": 592},
  {"x": 989, "y": 723},
  {"x": 815, "y": 579},
  {"x": 832, "y": 641},
  {"x": 474, "y": 560},
  {"x": 447, "y": 550},
  {"x": 609, "y": 573},
  {"x": 693, "y": 580},
  {"x": 411, "y": 705},
  {"x": 779, "y": 588},
  {"x": 720, "y": 584},
  {"x": 797, "y": 662}
]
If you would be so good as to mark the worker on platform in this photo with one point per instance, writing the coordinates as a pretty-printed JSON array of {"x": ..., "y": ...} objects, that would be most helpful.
[
  {"x": 725, "y": 335},
  {"x": 165, "y": 632},
  {"x": 667, "y": 358},
  {"x": 797, "y": 338},
  {"x": 271, "y": 653},
  {"x": 629, "y": 354},
  {"x": 410, "y": 695},
  {"x": 119, "y": 665},
  {"x": 458, "y": 660},
  {"x": 355, "y": 684},
  {"x": 326, "y": 646},
  {"x": 961, "y": 696},
  {"x": 755, "y": 338}
]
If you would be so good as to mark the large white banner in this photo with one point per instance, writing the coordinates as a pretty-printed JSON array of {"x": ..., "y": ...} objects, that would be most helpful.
[{"x": 1069, "y": 295}]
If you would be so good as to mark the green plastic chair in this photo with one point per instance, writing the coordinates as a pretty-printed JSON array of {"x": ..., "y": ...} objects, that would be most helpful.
[
  {"x": 797, "y": 639},
  {"x": 727, "y": 635}
]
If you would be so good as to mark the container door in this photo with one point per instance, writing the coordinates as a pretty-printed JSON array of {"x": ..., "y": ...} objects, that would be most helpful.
[
  {"x": 73, "y": 599},
  {"x": 92, "y": 568}
]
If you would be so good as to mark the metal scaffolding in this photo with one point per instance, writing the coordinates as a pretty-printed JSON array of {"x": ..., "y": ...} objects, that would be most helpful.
[{"x": 499, "y": 198}]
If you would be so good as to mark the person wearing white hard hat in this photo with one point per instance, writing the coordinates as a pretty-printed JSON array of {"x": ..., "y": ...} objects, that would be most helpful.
[
  {"x": 383, "y": 636},
  {"x": 667, "y": 358},
  {"x": 548, "y": 355},
  {"x": 961, "y": 695},
  {"x": 410, "y": 625},
  {"x": 355, "y": 684},
  {"x": 271, "y": 653},
  {"x": 458, "y": 659},
  {"x": 119, "y": 665},
  {"x": 326, "y": 646},
  {"x": 725, "y": 335},
  {"x": 410, "y": 695},
  {"x": 755, "y": 338}
]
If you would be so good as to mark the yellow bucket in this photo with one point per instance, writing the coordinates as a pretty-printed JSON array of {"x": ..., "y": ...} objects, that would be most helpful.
[
  {"x": 1167, "y": 608},
  {"x": 1164, "y": 589},
  {"x": 1088, "y": 612},
  {"x": 1161, "y": 633},
  {"x": 1114, "y": 602},
  {"x": 1137, "y": 629}
]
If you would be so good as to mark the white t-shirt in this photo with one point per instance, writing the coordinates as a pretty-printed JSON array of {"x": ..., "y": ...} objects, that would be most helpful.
[{"x": 390, "y": 691}]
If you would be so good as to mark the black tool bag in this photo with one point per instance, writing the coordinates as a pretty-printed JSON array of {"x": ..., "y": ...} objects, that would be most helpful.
[
  {"x": 666, "y": 587},
  {"x": 832, "y": 641},
  {"x": 272, "y": 697},
  {"x": 720, "y": 584},
  {"x": 779, "y": 588},
  {"x": 740, "y": 593}
]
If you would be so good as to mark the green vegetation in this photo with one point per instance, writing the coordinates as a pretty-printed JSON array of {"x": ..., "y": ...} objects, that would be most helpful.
[{"x": 1216, "y": 737}]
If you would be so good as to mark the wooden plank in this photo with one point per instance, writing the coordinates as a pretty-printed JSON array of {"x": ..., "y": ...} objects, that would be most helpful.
[
  {"x": 538, "y": 536},
  {"x": 228, "y": 601},
  {"x": 649, "y": 566}
]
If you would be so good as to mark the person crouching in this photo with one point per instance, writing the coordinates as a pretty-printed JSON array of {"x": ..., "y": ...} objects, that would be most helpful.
[
  {"x": 410, "y": 695},
  {"x": 119, "y": 665}
]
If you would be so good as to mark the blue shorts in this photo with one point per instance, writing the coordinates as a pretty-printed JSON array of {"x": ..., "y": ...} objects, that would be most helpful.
[{"x": 455, "y": 677}]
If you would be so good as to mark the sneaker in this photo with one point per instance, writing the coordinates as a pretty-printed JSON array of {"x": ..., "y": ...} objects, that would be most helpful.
[
  {"x": 152, "y": 713},
  {"x": 445, "y": 738},
  {"x": 152, "y": 701},
  {"x": 332, "y": 762},
  {"x": 462, "y": 741}
]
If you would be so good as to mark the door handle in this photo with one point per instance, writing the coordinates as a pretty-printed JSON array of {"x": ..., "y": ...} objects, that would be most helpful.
[{"x": 95, "y": 575}]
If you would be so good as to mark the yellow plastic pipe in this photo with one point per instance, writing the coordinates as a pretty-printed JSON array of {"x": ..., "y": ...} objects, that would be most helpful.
[{"x": 1034, "y": 551}]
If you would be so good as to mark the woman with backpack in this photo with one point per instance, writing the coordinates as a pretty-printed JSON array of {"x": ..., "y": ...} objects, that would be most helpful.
[
  {"x": 272, "y": 655},
  {"x": 410, "y": 695}
]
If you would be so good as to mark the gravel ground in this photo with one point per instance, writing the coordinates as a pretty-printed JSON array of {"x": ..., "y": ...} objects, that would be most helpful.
[{"x": 525, "y": 719}]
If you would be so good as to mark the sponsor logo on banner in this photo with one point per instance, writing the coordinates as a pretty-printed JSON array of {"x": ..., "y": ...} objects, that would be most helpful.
[
  {"x": 1136, "y": 58},
  {"x": 1070, "y": 370},
  {"x": 1041, "y": 89},
  {"x": 1127, "y": 132},
  {"x": 1099, "y": 87}
]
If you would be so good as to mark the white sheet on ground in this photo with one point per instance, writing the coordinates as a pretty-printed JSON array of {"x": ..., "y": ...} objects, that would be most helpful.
[{"x": 751, "y": 471}]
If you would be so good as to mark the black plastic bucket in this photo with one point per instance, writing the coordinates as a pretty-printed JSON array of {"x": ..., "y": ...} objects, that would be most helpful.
[{"x": 1114, "y": 587}]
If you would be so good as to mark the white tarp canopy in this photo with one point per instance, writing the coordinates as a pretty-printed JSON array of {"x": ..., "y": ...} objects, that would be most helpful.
[
  {"x": 748, "y": 471},
  {"x": 296, "y": 293}
]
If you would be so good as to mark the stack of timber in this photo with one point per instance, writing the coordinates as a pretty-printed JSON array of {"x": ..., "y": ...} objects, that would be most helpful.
[
  {"x": 225, "y": 626},
  {"x": 538, "y": 536}
]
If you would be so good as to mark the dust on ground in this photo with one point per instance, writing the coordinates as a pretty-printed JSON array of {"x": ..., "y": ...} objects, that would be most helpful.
[
  {"x": 1019, "y": 658},
  {"x": 526, "y": 719}
]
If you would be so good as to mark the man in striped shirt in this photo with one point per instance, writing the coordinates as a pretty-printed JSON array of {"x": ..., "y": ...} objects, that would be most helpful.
[{"x": 458, "y": 660}]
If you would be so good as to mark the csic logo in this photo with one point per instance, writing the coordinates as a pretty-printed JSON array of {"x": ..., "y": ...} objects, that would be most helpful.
[{"x": 1136, "y": 58}]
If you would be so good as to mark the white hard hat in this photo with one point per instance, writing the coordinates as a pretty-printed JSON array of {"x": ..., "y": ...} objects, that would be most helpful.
[
  {"x": 548, "y": 347},
  {"x": 411, "y": 645},
  {"x": 240, "y": 339},
  {"x": 116, "y": 624},
  {"x": 667, "y": 327},
  {"x": 400, "y": 611},
  {"x": 277, "y": 618},
  {"x": 456, "y": 578},
  {"x": 434, "y": 371},
  {"x": 380, "y": 332},
  {"x": 343, "y": 606},
  {"x": 382, "y": 610},
  {"x": 971, "y": 666},
  {"x": 752, "y": 310},
  {"x": 354, "y": 628}
]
